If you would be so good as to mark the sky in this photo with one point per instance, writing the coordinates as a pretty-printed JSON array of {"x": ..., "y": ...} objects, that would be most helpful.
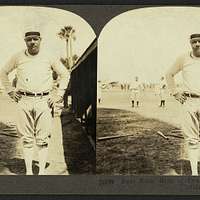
[
  {"x": 145, "y": 42},
  {"x": 15, "y": 21}
]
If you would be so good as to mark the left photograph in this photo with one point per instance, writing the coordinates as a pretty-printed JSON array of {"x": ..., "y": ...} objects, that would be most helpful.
[{"x": 48, "y": 75}]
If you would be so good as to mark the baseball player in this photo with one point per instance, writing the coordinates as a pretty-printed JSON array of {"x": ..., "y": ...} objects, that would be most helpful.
[
  {"x": 33, "y": 94},
  {"x": 189, "y": 97},
  {"x": 162, "y": 92},
  {"x": 135, "y": 91},
  {"x": 99, "y": 92}
]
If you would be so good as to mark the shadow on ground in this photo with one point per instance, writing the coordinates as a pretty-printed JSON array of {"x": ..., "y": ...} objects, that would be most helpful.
[
  {"x": 79, "y": 154},
  {"x": 142, "y": 153}
]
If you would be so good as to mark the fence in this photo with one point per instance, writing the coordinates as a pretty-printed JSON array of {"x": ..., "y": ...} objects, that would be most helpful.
[{"x": 83, "y": 89}]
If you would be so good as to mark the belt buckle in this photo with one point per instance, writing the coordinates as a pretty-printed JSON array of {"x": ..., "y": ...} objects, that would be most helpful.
[
  {"x": 23, "y": 93},
  {"x": 187, "y": 94}
]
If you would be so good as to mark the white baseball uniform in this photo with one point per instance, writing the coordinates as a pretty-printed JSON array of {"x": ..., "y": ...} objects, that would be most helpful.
[
  {"x": 34, "y": 75},
  {"x": 162, "y": 90},
  {"x": 135, "y": 90},
  {"x": 99, "y": 92},
  {"x": 190, "y": 68}
]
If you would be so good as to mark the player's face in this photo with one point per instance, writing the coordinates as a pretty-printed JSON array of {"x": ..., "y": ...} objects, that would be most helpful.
[
  {"x": 33, "y": 44},
  {"x": 195, "y": 43}
]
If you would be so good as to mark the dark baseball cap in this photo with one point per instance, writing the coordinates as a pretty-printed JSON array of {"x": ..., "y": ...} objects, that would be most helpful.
[
  {"x": 31, "y": 33},
  {"x": 195, "y": 35}
]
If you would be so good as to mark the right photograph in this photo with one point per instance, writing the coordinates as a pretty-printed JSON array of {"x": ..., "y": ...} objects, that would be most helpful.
[{"x": 148, "y": 93}]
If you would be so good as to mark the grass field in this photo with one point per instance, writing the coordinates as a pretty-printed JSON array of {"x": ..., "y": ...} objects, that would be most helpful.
[{"x": 144, "y": 152}]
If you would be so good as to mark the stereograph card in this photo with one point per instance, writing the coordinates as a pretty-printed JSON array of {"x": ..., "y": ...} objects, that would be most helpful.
[{"x": 99, "y": 99}]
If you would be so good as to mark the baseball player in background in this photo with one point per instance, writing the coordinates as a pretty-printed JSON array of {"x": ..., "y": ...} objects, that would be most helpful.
[
  {"x": 135, "y": 92},
  {"x": 189, "y": 97},
  {"x": 99, "y": 92},
  {"x": 162, "y": 89},
  {"x": 33, "y": 94}
]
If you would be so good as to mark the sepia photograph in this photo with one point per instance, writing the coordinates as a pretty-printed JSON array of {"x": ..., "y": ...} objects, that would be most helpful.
[
  {"x": 47, "y": 92},
  {"x": 108, "y": 94},
  {"x": 148, "y": 93}
]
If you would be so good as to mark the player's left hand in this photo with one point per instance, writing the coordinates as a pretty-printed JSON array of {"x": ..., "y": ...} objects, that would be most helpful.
[{"x": 53, "y": 100}]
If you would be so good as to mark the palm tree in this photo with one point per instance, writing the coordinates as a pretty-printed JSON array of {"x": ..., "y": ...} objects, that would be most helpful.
[{"x": 68, "y": 34}]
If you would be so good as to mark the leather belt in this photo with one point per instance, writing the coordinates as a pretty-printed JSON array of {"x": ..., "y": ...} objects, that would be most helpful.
[
  {"x": 191, "y": 95},
  {"x": 33, "y": 94}
]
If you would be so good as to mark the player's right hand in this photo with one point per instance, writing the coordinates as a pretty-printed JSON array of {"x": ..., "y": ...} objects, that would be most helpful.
[
  {"x": 180, "y": 97},
  {"x": 54, "y": 100},
  {"x": 15, "y": 96}
]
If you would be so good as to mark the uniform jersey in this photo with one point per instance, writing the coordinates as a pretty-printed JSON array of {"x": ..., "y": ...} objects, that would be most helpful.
[
  {"x": 34, "y": 73},
  {"x": 190, "y": 68},
  {"x": 135, "y": 86},
  {"x": 162, "y": 89},
  {"x": 99, "y": 90}
]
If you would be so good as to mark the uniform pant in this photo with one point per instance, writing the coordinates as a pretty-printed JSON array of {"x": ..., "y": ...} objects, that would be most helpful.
[
  {"x": 191, "y": 121},
  {"x": 34, "y": 121},
  {"x": 135, "y": 95}
]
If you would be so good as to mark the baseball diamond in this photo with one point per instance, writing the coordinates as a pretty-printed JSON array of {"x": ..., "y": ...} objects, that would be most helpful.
[{"x": 139, "y": 141}]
